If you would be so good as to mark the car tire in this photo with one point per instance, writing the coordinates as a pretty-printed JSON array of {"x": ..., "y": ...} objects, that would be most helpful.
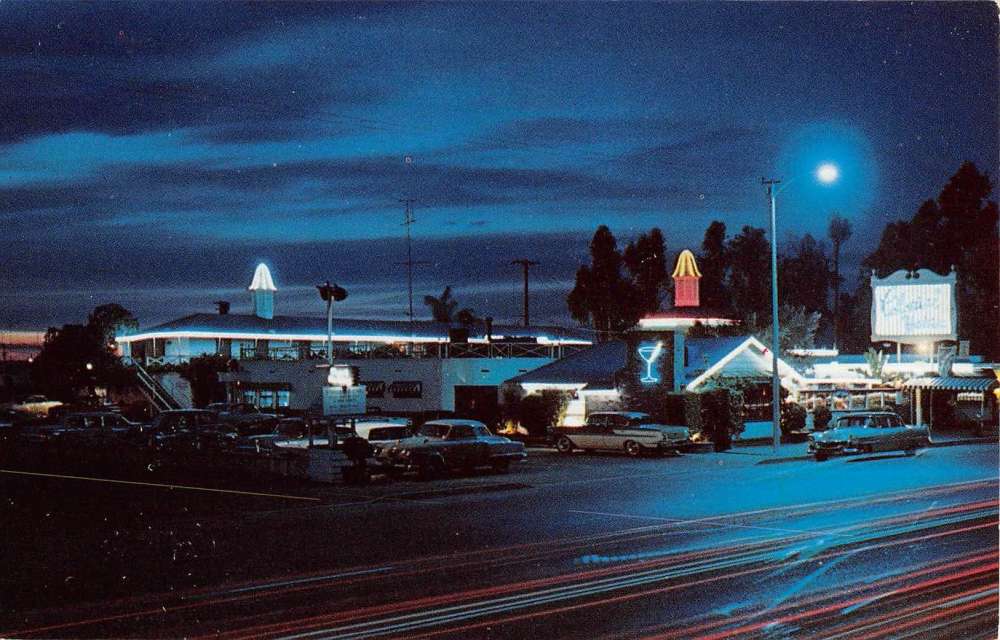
[
  {"x": 564, "y": 445},
  {"x": 633, "y": 448},
  {"x": 501, "y": 466}
]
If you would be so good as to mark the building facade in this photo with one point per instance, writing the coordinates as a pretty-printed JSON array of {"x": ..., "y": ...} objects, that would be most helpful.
[{"x": 279, "y": 361}]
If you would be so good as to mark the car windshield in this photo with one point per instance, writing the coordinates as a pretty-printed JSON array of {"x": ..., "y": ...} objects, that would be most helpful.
[
  {"x": 292, "y": 428},
  {"x": 434, "y": 430}
]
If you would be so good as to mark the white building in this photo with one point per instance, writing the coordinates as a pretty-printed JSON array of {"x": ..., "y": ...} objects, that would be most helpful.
[{"x": 407, "y": 367}]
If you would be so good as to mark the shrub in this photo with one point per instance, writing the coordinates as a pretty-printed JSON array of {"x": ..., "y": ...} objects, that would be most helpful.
[
  {"x": 721, "y": 416},
  {"x": 539, "y": 411},
  {"x": 821, "y": 418},
  {"x": 793, "y": 417}
]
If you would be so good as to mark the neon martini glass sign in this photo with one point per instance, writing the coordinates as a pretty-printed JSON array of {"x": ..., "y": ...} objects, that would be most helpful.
[{"x": 650, "y": 354}]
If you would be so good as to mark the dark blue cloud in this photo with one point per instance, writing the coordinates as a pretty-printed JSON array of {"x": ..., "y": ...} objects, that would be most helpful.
[{"x": 142, "y": 144}]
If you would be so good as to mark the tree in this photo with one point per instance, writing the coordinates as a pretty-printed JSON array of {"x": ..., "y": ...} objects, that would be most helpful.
[
  {"x": 750, "y": 274},
  {"x": 957, "y": 229},
  {"x": 202, "y": 373},
  {"x": 646, "y": 262},
  {"x": 804, "y": 275},
  {"x": 796, "y": 328},
  {"x": 714, "y": 264},
  {"x": 839, "y": 232},
  {"x": 443, "y": 309},
  {"x": 61, "y": 369},
  {"x": 601, "y": 296},
  {"x": 109, "y": 320}
]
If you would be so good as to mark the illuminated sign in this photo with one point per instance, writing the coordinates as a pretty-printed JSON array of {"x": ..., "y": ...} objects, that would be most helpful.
[
  {"x": 913, "y": 307},
  {"x": 341, "y": 375},
  {"x": 650, "y": 354}
]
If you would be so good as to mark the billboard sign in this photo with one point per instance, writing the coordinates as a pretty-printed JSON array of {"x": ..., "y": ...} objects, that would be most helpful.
[{"x": 914, "y": 307}]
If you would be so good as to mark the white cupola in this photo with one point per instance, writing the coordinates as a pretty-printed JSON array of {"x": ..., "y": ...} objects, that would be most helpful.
[{"x": 262, "y": 292}]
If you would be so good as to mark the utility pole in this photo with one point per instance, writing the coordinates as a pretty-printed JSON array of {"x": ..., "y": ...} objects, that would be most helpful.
[
  {"x": 408, "y": 220},
  {"x": 775, "y": 378},
  {"x": 526, "y": 264}
]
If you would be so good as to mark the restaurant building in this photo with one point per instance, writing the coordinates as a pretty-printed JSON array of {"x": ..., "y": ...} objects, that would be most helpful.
[{"x": 279, "y": 361}]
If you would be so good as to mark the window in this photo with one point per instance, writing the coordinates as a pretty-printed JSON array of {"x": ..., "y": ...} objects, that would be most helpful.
[
  {"x": 461, "y": 431},
  {"x": 597, "y": 420},
  {"x": 388, "y": 433},
  {"x": 432, "y": 430},
  {"x": 266, "y": 398},
  {"x": 284, "y": 397},
  {"x": 375, "y": 388},
  {"x": 407, "y": 389}
]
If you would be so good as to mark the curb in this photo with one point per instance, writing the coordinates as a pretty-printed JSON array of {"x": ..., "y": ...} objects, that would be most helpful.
[
  {"x": 933, "y": 445},
  {"x": 780, "y": 460},
  {"x": 958, "y": 443}
]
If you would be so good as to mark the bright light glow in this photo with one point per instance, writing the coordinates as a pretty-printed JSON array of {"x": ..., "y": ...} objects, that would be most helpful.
[
  {"x": 340, "y": 376},
  {"x": 827, "y": 173}
]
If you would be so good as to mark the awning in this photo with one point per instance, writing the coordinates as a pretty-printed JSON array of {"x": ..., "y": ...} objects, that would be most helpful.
[{"x": 951, "y": 383}]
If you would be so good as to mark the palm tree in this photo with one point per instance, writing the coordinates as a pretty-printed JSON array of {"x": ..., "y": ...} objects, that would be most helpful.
[
  {"x": 443, "y": 309},
  {"x": 839, "y": 232}
]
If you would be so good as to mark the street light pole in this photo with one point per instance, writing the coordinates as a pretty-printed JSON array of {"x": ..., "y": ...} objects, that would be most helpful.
[
  {"x": 330, "y": 293},
  {"x": 775, "y": 378}
]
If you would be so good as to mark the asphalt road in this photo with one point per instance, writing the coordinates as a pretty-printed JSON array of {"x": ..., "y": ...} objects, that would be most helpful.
[{"x": 708, "y": 545}]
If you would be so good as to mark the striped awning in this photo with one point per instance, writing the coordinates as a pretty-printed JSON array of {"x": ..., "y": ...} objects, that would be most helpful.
[{"x": 952, "y": 383}]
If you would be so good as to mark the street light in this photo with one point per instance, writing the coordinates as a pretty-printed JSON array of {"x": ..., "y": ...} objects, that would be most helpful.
[
  {"x": 826, "y": 173},
  {"x": 330, "y": 293}
]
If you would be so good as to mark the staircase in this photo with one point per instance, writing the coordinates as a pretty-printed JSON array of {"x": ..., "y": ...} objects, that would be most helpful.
[{"x": 157, "y": 395}]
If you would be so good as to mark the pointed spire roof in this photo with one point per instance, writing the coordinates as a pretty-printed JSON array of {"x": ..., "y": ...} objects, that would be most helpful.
[
  {"x": 262, "y": 279},
  {"x": 686, "y": 266}
]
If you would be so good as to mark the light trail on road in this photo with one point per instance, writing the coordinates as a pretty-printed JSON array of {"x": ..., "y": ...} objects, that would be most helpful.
[{"x": 602, "y": 580}]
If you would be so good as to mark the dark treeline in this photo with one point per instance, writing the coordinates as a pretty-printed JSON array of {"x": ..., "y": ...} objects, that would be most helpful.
[{"x": 958, "y": 229}]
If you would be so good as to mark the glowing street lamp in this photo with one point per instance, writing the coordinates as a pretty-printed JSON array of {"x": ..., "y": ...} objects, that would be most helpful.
[
  {"x": 330, "y": 293},
  {"x": 826, "y": 173}
]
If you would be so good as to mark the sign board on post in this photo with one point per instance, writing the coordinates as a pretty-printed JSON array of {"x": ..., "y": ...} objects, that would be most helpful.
[
  {"x": 342, "y": 394},
  {"x": 913, "y": 307}
]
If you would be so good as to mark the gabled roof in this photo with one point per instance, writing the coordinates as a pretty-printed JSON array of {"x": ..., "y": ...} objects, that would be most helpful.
[{"x": 239, "y": 326}]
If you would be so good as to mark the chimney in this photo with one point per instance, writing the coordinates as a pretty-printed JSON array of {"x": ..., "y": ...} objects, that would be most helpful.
[
  {"x": 686, "y": 277},
  {"x": 262, "y": 292}
]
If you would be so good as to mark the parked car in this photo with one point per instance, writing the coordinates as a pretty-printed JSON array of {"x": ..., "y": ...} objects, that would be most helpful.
[
  {"x": 36, "y": 405},
  {"x": 290, "y": 433},
  {"x": 183, "y": 430},
  {"x": 866, "y": 432},
  {"x": 629, "y": 431},
  {"x": 443, "y": 445},
  {"x": 240, "y": 413},
  {"x": 383, "y": 432},
  {"x": 91, "y": 427}
]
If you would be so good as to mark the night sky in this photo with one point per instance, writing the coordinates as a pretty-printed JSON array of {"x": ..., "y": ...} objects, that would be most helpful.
[{"x": 152, "y": 153}]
